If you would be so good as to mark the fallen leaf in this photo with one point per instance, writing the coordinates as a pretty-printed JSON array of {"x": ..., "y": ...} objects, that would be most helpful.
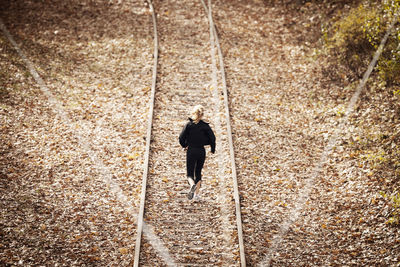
[{"x": 123, "y": 251}]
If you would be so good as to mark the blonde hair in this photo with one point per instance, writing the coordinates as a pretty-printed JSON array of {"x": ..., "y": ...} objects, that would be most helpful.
[{"x": 197, "y": 113}]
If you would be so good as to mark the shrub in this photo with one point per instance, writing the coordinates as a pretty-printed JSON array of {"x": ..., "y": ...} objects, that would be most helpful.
[
  {"x": 394, "y": 202},
  {"x": 349, "y": 42},
  {"x": 355, "y": 37}
]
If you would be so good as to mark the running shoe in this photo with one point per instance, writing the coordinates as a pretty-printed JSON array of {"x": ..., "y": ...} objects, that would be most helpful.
[
  {"x": 197, "y": 198},
  {"x": 191, "y": 192}
]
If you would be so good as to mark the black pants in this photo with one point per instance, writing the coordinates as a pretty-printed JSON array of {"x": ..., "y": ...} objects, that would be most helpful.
[{"x": 195, "y": 158}]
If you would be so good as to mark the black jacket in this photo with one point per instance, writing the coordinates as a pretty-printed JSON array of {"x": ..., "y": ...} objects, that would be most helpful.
[{"x": 197, "y": 135}]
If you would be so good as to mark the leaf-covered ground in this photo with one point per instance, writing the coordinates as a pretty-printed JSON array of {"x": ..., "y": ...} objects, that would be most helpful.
[{"x": 95, "y": 57}]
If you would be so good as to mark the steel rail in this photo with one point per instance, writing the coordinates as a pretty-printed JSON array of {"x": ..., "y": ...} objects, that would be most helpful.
[
  {"x": 213, "y": 33},
  {"x": 141, "y": 223},
  {"x": 148, "y": 140}
]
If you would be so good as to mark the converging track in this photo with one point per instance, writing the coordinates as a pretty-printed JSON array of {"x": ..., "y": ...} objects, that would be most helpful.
[{"x": 207, "y": 232}]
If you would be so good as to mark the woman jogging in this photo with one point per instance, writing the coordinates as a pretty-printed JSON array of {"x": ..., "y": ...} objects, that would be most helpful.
[{"x": 194, "y": 136}]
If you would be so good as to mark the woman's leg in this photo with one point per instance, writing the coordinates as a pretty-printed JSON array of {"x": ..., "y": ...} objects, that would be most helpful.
[
  {"x": 201, "y": 157},
  {"x": 190, "y": 166},
  {"x": 198, "y": 185},
  {"x": 199, "y": 166}
]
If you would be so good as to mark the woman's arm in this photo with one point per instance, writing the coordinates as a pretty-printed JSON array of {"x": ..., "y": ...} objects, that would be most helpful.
[
  {"x": 211, "y": 138},
  {"x": 183, "y": 136}
]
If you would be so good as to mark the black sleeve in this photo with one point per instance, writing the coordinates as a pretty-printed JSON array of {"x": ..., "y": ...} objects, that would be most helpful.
[
  {"x": 211, "y": 138},
  {"x": 183, "y": 136}
]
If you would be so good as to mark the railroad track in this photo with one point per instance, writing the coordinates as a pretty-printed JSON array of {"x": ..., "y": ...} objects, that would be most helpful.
[{"x": 190, "y": 71}]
